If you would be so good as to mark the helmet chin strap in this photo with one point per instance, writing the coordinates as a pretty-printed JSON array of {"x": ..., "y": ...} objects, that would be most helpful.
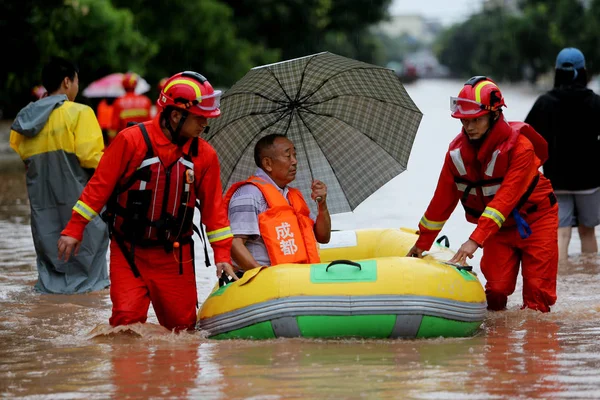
[{"x": 175, "y": 137}]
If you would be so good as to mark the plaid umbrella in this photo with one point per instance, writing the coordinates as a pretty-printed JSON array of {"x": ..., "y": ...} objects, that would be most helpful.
[{"x": 352, "y": 123}]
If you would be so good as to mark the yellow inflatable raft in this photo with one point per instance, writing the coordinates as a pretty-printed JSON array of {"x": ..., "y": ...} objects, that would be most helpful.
[{"x": 364, "y": 287}]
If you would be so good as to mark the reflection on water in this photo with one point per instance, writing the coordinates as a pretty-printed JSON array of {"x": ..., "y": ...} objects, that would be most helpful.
[{"x": 54, "y": 346}]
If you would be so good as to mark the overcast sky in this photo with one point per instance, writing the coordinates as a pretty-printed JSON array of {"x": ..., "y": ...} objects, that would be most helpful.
[{"x": 445, "y": 11}]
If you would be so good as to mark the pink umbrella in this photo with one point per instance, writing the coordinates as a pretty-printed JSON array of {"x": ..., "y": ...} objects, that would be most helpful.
[
  {"x": 110, "y": 86},
  {"x": 38, "y": 92}
]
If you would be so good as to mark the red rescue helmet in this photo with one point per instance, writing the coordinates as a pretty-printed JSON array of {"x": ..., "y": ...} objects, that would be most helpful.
[
  {"x": 479, "y": 96},
  {"x": 192, "y": 92},
  {"x": 130, "y": 81}
]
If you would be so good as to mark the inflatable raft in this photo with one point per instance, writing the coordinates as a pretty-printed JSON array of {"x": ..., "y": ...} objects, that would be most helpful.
[{"x": 364, "y": 288}]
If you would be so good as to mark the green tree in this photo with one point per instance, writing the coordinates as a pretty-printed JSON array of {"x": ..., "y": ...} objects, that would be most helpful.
[
  {"x": 222, "y": 39},
  {"x": 483, "y": 45},
  {"x": 90, "y": 32},
  {"x": 81, "y": 33},
  {"x": 591, "y": 37},
  {"x": 301, "y": 27},
  {"x": 545, "y": 28},
  {"x": 19, "y": 70},
  {"x": 505, "y": 45},
  {"x": 196, "y": 35}
]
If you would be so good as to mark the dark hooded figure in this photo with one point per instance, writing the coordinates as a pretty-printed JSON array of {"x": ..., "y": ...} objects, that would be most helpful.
[{"x": 567, "y": 117}]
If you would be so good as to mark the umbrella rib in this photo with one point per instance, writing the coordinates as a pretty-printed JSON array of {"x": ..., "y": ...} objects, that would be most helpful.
[
  {"x": 259, "y": 95},
  {"x": 250, "y": 141},
  {"x": 305, "y": 105},
  {"x": 305, "y": 150},
  {"x": 308, "y": 96},
  {"x": 346, "y": 123},
  {"x": 324, "y": 155},
  {"x": 289, "y": 122},
  {"x": 278, "y": 109},
  {"x": 302, "y": 78},
  {"x": 279, "y": 83}
]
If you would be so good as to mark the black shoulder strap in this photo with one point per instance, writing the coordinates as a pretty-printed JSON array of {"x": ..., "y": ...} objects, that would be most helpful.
[
  {"x": 149, "y": 152},
  {"x": 202, "y": 237},
  {"x": 127, "y": 253},
  {"x": 491, "y": 181},
  {"x": 530, "y": 190},
  {"x": 194, "y": 147}
]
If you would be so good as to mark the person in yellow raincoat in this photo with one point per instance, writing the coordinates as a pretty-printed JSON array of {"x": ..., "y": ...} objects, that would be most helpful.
[{"x": 61, "y": 143}]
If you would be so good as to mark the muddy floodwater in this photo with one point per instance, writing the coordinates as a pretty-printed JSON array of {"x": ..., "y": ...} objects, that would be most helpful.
[{"x": 61, "y": 347}]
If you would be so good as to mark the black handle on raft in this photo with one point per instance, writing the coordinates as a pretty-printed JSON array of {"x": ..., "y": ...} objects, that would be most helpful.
[
  {"x": 224, "y": 279},
  {"x": 445, "y": 239},
  {"x": 465, "y": 268},
  {"x": 345, "y": 262}
]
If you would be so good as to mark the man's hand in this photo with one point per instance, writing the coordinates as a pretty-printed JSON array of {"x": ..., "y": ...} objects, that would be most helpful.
[
  {"x": 415, "y": 252},
  {"x": 319, "y": 191},
  {"x": 228, "y": 269},
  {"x": 322, "y": 228},
  {"x": 466, "y": 250},
  {"x": 67, "y": 246}
]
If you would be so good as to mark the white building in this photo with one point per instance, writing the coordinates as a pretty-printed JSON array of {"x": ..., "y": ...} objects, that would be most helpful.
[{"x": 421, "y": 29}]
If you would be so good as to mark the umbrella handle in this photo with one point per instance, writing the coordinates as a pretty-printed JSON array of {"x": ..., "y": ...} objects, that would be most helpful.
[{"x": 319, "y": 199}]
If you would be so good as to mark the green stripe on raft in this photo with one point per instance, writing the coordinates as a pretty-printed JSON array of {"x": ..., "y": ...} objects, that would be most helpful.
[
  {"x": 366, "y": 326},
  {"x": 359, "y": 326},
  {"x": 436, "y": 326},
  {"x": 262, "y": 330}
]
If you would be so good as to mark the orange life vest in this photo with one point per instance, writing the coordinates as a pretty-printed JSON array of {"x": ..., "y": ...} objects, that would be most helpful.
[
  {"x": 286, "y": 228},
  {"x": 130, "y": 108},
  {"x": 480, "y": 179},
  {"x": 104, "y": 114},
  {"x": 155, "y": 207}
]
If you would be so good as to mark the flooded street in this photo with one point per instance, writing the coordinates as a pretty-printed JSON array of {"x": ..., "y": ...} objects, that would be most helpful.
[{"x": 61, "y": 347}]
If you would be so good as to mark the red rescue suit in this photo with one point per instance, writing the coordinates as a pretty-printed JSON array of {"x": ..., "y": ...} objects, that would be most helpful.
[
  {"x": 127, "y": 109},
  {"x": 104, "y": 113},
  {"x": 155, "y": 207},
  {"x": 148, "y": 184},
  {"x": 286, "y": 228},
  {"x": 500, "y": 184}
]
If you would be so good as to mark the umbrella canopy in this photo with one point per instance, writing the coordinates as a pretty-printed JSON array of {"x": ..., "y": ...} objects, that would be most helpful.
[
  {"x": 352, "y": 123},
  {"x": 111, "y": 86}
]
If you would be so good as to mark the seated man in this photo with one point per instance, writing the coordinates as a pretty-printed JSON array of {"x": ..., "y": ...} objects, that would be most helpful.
[{"x": 271, "y": 221}]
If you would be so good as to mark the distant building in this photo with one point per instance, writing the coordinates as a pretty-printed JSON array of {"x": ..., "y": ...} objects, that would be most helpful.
[
  {"x": 418, "y": 28},
  {"x": 509, "y": 5}
]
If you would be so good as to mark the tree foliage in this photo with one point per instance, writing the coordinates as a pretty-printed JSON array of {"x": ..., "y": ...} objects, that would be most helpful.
[
  {"x": 74, "y": 29},
  {"x": 301, "y": 27},
  {"x": 196, "y": 35},
  {"x": 521, "y": 45},
  {"x": 222, "y": 39}
]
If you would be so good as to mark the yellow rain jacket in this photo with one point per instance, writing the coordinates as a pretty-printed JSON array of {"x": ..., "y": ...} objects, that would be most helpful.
[{"x": 61, "y": 143}]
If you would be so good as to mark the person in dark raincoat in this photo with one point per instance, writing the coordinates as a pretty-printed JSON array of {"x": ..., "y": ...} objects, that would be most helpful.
[
  {"x": 61, "y": 143},
  {"x": 567, "y": 117}
]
